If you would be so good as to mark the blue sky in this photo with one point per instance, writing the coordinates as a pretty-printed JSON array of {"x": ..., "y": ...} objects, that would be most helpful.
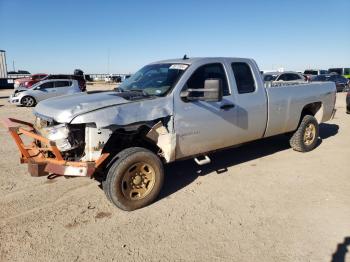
[{"x": 59, "y": 36}]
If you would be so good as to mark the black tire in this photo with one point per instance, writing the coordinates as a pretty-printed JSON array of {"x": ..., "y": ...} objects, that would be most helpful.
[
  {"x": 116, "y": 187},
  {"x": 297, "y": 141},
  {"x": 28, "y": 101}
]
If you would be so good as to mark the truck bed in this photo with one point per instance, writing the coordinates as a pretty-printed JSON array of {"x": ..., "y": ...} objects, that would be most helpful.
[{"x": 286, "y": 102}]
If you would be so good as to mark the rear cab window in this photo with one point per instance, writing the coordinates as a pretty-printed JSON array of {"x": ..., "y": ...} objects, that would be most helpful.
[{"x": 244, "y": 77}]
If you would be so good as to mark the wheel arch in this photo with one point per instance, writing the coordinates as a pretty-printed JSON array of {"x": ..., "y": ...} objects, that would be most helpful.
[
  {"x": 314, "y": 109},
  {"x": 145, "y": 135}
]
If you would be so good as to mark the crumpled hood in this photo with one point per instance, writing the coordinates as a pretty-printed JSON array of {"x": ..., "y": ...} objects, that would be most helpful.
[
  {"x": 105, "y": 108},
  {"x": 63, "y": 109}
]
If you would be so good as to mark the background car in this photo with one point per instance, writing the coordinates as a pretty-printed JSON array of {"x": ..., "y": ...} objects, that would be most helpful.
[
  {"x": 27, "y": 82},
  {"x": 343, "y": 71},
  {"x": 44, "y": 90},
  {"x": 79, "y": 78},
  {"x": 284, "y": 76},
  {"x": 113, "y": 78},
  {"x": 341, "y": 82},
  {"x": 309, "y": 73}
]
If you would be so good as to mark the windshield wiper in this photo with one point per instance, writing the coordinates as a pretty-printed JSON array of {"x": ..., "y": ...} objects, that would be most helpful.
[{"x": 143, "y": 92}]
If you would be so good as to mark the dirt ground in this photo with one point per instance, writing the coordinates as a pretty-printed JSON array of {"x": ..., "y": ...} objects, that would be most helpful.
[{"x": 260, "y": 202}]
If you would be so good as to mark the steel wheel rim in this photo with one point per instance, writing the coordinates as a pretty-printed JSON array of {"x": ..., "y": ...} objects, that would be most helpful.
[
  {"x": 27, "y": 101},
  {"x": 309, "y": 134},
  {"x": 138, "y": 181}
]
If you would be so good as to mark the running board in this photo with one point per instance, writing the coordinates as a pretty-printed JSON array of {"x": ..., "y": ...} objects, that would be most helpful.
[{"x": 204, "y": 161}]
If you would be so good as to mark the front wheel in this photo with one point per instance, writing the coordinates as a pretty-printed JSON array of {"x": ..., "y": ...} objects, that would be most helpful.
[
  {"x": 135, "y": 179},
  {"x": 28, "y": 101},
  {"x": 305, "y": 138}
]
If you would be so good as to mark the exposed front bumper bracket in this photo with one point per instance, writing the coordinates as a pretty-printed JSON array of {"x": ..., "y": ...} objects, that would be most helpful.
[{"x": 39, "y": 164}]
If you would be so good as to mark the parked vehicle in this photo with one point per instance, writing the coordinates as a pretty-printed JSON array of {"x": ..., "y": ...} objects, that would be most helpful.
[
  {"x": 44, "y": 90},
  {"x": 309, "y": 73},
  {"x": 27, "y": 82},
  {"x": 315, "y": 72},
  {"x": 284, "y": 76},
  {"x": 168, "y": 111},
  {"x": 348, "y": 102},
  {"x": 340, "y": 71},
  {"x": 342, "y": 83},
  {"x": 113, "y": 78},
  {"x": 79, "y": 78}
]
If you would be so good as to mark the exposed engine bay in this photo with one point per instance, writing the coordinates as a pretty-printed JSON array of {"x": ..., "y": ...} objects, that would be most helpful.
[{"x": 86, "y": 142}]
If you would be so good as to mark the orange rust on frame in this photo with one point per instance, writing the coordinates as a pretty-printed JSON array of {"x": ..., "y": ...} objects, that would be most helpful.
[
  {"x": 19, "y": 142},
  {"x": 101, "y": 159},
  {"x": 33, "y": 135},
  {"x": 55, "y": 151},
  {"x": 32, "y": 154}
]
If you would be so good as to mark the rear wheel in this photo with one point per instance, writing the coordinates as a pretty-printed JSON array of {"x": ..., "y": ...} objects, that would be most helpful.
[
  {"x": 135, "y": 179},
  {"x": 305, "y": 138},
  {"x": 28, "y": 101}
]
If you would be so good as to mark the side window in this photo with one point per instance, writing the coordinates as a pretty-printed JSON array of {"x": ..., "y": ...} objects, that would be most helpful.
[
  {"x": 283, "y": 77},
  {"x": 46, "y": 85},
  {"x": 293, "y": 77},
  {"x": 62, "y": 83},
  {"x": 244, "y": 77},
  {"x": 216, "y": 70}
]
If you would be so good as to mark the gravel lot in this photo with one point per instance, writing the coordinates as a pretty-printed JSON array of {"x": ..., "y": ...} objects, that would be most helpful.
[{"x": 260, "y": 202}]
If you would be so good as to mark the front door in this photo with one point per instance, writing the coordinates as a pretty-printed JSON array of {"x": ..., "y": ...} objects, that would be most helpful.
[
  {"x": 203, "y": 126},
  {"x": 45, "y": 91}
]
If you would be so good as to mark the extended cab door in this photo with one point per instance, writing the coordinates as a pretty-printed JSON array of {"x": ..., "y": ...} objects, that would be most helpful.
[{"x": 203, "y": 126}]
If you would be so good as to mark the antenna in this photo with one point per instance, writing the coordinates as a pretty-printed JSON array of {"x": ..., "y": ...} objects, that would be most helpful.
[{"x": 185, "y": 57}]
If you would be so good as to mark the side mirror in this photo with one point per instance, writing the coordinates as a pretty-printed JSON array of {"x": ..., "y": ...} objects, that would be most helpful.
[{"x": 212, "y": 91}]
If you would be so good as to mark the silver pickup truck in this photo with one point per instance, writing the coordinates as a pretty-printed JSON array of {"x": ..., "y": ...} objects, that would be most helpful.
[{"x": 167, "y": 111}]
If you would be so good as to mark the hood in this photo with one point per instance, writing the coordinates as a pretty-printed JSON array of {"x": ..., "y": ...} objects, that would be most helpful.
[{"x": 63, "y": 109}]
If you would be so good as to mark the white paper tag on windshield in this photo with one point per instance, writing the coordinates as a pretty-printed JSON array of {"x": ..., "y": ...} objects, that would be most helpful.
[{"x": 178, "y": 66}]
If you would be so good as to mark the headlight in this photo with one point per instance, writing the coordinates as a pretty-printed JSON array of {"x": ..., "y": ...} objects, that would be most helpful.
[{"x": 59, "y": 134}]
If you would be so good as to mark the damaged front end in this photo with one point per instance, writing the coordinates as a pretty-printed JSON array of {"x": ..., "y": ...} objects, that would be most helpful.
[
  {"x": 53, "y": 148},
  {"x": 79, "y": 149}
]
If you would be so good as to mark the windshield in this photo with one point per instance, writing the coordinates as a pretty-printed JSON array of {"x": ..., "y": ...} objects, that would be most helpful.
[{"x": 155, "y": 79}]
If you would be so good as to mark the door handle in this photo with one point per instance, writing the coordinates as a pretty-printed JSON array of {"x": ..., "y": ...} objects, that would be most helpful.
[{"x": 227, "y": 106}]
